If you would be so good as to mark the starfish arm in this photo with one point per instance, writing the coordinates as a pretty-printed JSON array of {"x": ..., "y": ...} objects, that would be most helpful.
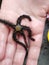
[
  {"x": 20, "y": 43},
  {"x": 29, "y": 32},
  {"x": 21, "y": 32},
  {"x": 23, "y": 17},
  {"x": 7, "y": 23},
  {"x": 17, "y": 41}
]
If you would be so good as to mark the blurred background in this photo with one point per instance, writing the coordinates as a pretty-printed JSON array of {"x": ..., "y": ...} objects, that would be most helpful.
[{"x": 44, "y": 52}]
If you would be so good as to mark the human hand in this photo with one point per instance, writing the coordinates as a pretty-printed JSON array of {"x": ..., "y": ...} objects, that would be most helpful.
[{"x": 10, "y": 52}]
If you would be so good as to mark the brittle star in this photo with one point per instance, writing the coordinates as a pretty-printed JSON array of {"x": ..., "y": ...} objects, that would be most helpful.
[{"x": 19, "y": 29}]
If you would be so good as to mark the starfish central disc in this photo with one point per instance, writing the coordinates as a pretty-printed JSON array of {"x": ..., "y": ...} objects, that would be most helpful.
[{"x": 18, "y": 28}]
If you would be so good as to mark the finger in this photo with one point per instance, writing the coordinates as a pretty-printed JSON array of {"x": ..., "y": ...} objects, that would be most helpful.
[
  {"x": 7, "y": 15},
  {"x": 38, "y": 28},
  {"x": 3, "y": 40},
  {"x": 10, "y": 51},
  {"x": 34, "y": 50},
  {"x": 20, "y": 54},
  {"x": 35, "y": 46}
]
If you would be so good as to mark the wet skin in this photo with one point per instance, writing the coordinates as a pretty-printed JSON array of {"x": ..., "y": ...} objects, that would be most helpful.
[{"x": 19, "y": 29}]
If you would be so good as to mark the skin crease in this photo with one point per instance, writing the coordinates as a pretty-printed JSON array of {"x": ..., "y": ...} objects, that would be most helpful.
[{"x": 10, "y": 52}]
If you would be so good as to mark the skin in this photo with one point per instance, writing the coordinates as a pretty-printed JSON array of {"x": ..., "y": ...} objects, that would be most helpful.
[{"x": 10, "y": 52}]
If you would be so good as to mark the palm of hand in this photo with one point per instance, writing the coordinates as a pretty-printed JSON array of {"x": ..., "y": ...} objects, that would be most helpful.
[{"x": 13, "y": 53}]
